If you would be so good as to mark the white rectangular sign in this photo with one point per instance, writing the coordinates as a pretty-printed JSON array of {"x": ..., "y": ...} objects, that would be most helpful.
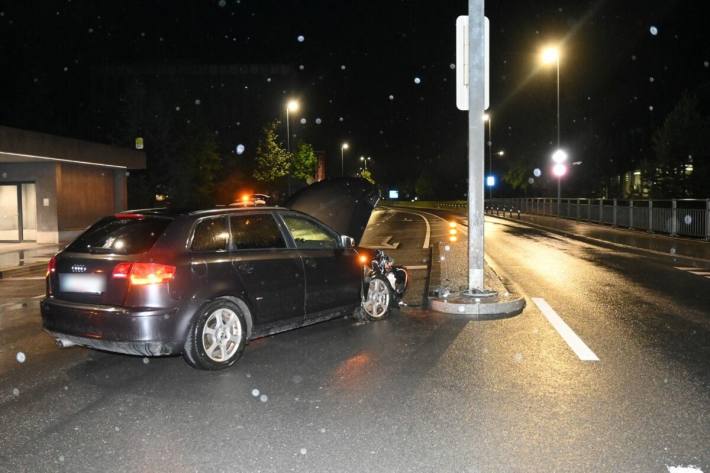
[{"x": 462, "y": 68}]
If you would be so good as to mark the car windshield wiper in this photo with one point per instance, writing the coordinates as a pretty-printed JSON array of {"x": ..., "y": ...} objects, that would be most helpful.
[{"x": 100, "y": 250}]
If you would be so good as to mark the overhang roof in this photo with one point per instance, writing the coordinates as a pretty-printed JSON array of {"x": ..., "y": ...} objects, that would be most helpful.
[{"x": 18, "y": 145}]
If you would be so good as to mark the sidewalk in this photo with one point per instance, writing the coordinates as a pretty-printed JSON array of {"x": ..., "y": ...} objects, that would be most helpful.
[
  {"x": 19, "y": 258},
  {"x": 593, "y": 232}
]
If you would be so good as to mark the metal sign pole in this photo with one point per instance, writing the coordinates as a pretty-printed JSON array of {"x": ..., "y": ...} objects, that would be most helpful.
[{"x": 476, "y": 64}]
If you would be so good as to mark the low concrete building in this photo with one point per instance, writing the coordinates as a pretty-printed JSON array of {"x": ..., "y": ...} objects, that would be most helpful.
[{"x": 51, "y": 188}]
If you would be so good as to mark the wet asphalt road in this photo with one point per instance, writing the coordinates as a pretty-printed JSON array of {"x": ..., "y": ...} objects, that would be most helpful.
[{"x": 417, "y": 392}]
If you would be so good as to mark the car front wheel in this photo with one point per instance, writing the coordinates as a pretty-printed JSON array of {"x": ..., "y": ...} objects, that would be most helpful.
[
  {"x": 217, "y": 336},
  {"x": 376, "y": 303}
]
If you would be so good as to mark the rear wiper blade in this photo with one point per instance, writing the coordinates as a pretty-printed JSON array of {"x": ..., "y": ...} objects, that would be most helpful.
[{"x": 100, "y": 250}]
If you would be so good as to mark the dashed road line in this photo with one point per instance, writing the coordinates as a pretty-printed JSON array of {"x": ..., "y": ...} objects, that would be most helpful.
[
  {"x": 575, "y": 343},
  {"x": 684, "y": 469}
]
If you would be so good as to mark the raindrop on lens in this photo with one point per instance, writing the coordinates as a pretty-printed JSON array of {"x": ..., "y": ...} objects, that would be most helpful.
[
  {"x": 688, "y": 220},
  {"x": 255, "y": 392},
  {"x": 303, "y": 451},
  {"x": 303, "y": 121},
  {"x": 240, "y": 149},
  {"x": 222, "y": 3},
  {"x": 537, "y": 172},
  {"x": 263, "y": 398},
  {"x": 198, "y": 101},
  {"x": 20, "y": 357},
  {"x": 417, "y": 80},
  {"x": 301, "y": 38},
  {"x": 653, "y": 30},
  {"x": 15, "y": 392},
  {"x": 318, "y": 121}
]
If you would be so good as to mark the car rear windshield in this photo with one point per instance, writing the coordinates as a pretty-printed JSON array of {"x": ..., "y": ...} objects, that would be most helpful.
[{"x": 120, "y": 235}]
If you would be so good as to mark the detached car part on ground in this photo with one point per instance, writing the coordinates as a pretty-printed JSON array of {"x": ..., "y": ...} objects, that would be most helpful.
[
  {"x": 383, "y": 286},
  {"x": 202, "y": 283}
]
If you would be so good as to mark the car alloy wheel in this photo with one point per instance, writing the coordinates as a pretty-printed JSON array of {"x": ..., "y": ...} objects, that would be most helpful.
[
  {"x": 377, "y": 303},
  {"x": 221, "y": 335}
]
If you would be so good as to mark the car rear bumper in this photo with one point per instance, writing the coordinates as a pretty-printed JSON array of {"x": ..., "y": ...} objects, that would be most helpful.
[{"x": 147, "y": 332}]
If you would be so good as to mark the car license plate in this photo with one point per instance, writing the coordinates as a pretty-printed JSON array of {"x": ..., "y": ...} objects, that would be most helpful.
[{"x": 87, "y": 283}]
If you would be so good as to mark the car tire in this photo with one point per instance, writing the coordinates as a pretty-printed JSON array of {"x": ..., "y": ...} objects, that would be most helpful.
[
  {"x": 217, "y": 336},
  {"x": 378, "y": 299}
]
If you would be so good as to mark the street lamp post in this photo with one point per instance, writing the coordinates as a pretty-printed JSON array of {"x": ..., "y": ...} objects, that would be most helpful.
[
  {"x": 365, "y": 160},
  {"x": 291, "y": 106},
  {"x": 343, "y": 147},
  {"x": 551, "y": 55}
]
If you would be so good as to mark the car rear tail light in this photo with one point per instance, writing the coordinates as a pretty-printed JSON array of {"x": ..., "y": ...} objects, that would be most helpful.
[
  {"x": 129, "y": 215},
  {"x": 141, "y": 274},
  {"x": 52, "y": 265}
]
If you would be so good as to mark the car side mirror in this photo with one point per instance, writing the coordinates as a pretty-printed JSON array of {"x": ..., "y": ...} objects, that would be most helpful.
[{"x": 347, "y": 242}]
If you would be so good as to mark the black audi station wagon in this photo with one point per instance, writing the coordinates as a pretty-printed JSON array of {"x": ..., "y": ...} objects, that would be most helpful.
[{"x": 202, "y": 283}]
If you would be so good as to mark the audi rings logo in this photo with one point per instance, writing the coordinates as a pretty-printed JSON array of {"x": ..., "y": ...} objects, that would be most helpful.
[{"x": 78, "y": 268}]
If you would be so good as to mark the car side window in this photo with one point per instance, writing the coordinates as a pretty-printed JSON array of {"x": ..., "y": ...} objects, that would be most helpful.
[
  {"x": 257, "y": 231},
  {"x": 308, "y": 235},
  {"x": 211, "y": 234}
]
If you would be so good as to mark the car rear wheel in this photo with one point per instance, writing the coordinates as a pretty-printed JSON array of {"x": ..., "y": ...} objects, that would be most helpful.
[
  {"x": 217, "y": 336},
  {"x": 376, "y": 304}
]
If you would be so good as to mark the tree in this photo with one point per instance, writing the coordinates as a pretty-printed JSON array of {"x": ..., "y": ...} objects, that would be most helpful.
[
  {"x": 676, "y": 144},
  {"x": 194, "y": 172},
  {"x": 517, "y": 174},
  {"x": 272, "y": 161},
  {"x": 424, "y": 187},
  {"x": 367, "y": 175},
  {"x": 303, "y": 162}
]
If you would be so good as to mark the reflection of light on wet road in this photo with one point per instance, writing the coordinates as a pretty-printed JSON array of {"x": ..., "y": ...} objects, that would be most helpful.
[{"x": 351, "y": 371}]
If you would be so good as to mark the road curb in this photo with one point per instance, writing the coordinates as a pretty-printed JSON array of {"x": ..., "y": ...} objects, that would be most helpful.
[
  {"x": 478, "y": 308},
  {"x": 21, "y": 270}
]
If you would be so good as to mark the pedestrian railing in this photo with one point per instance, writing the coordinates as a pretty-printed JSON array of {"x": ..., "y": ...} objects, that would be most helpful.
[{"x": 675, "y": 217}]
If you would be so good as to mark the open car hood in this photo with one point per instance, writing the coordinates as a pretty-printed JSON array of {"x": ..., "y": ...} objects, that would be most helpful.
[{"x": 344, "y": 204}]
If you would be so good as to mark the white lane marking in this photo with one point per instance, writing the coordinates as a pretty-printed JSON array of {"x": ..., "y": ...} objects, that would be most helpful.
[
  {"x": 575, "y": 343},
  {"x": 421, "y": 266},
  {"x": 684, "y": 469},
  {"x": 428, "y": 227},
  {"x": 695, "y": 271}
]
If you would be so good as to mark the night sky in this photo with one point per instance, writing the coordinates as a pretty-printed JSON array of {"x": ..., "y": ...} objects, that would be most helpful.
[{"x": 379, "y": 75}]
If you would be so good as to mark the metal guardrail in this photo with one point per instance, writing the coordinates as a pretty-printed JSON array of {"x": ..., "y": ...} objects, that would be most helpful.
[{"x": 675, "y": 217}]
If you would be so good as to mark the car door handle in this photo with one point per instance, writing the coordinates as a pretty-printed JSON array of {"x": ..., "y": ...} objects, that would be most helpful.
[
  {"x": 311, "y": 263},
  {"x": 246, "y": 268},
  {"x": 198, "y": 268}
]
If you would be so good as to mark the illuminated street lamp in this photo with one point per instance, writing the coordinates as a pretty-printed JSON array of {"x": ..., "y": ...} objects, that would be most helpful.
[
  {"x": 559, "y": 169},
  {"x": 343, "y": 147},
  {"x": 487, "y": 119},
  {"x": 501, "y": 153},
  {"x": 292, "y": 106}
]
